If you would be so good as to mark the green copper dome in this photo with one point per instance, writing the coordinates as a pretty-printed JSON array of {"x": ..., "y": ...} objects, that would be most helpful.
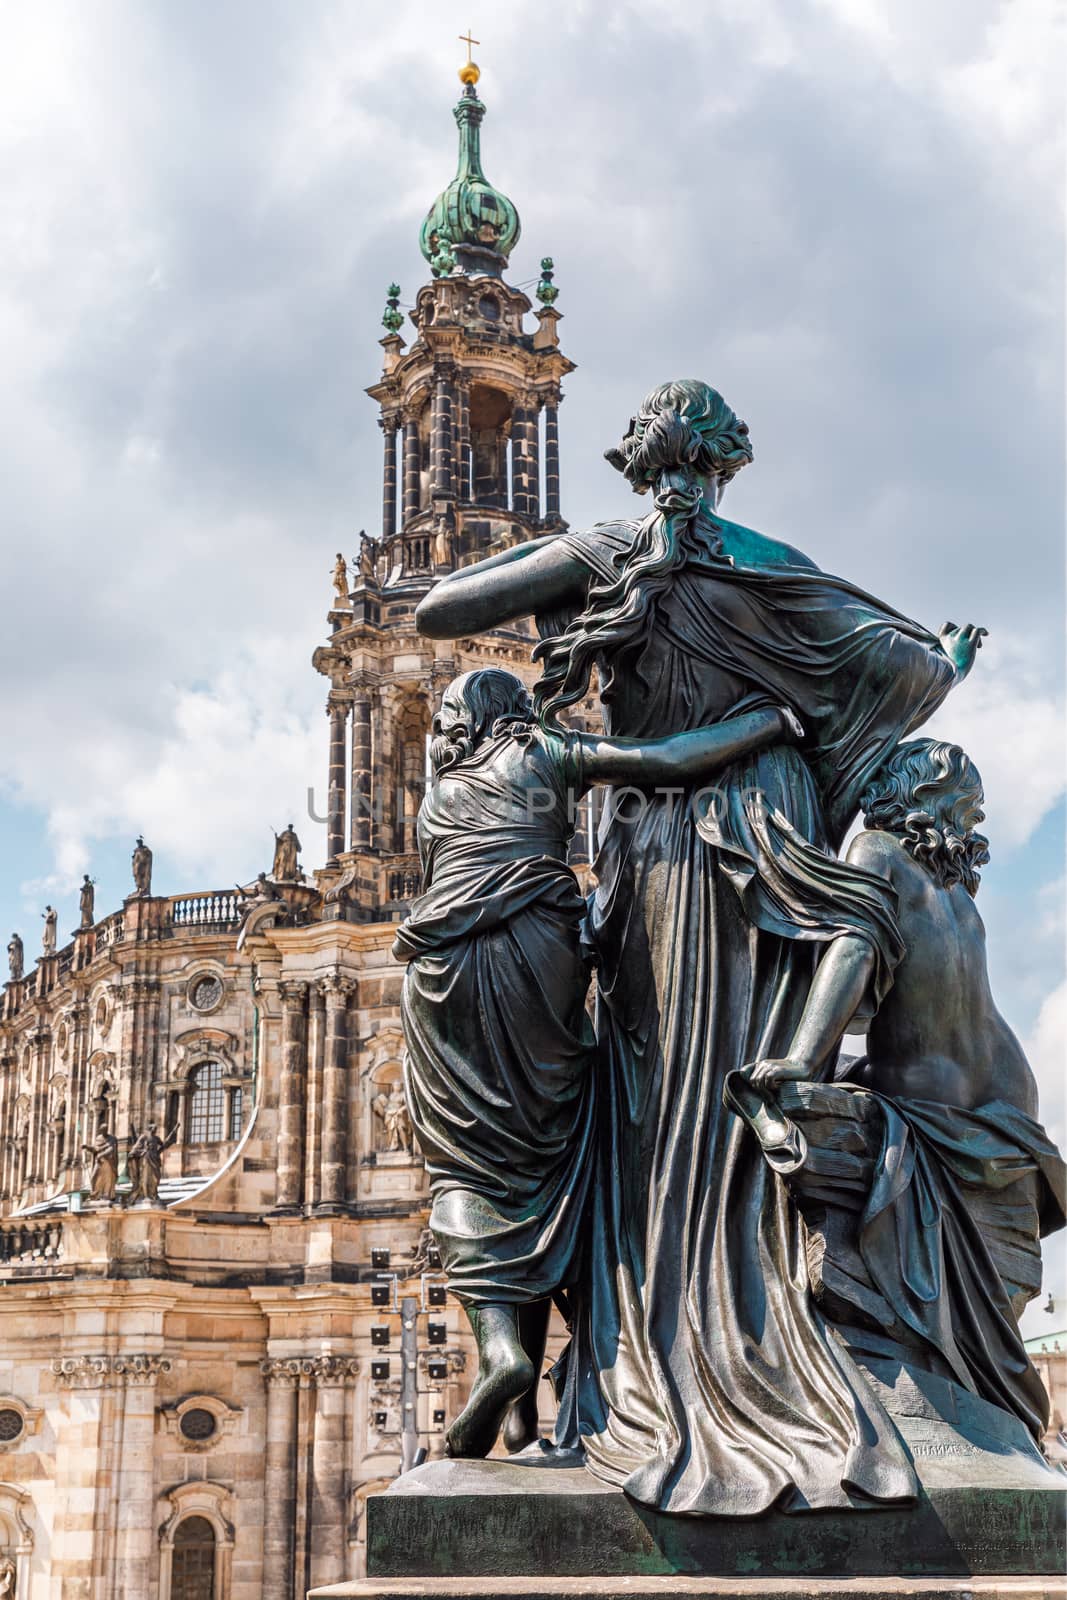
[{"x": 479, "y": 223}]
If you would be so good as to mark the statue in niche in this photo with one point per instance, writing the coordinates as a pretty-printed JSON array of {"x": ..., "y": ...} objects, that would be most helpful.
[
  {"x": 103, "y": 1161},
  {"x": 441, "y": 541},
  {"x": 16, "y": 958},
  {"x": 499, "y": 1061},
  {"x": 87, "y": 901},
  {"x": 287, "y": 848},
  {"x": 141, "y": 863},
  {"x": 340, "y": 580},
  {"x": 48, "y": 932},
  {"x": 8, "y": 1578},
  {"x": 932, "y": 1234},
  {"x": 391, "y": 1109},
  {"x": 146, "y": 1160},
  {"x": 707, "y": 923}
]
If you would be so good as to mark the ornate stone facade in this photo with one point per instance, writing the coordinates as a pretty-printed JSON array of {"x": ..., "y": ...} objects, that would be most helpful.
[{"x": 199, "y": 1388}]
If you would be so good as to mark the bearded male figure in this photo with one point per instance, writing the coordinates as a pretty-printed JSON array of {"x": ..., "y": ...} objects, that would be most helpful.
[{"x": 942, "y": 1253}]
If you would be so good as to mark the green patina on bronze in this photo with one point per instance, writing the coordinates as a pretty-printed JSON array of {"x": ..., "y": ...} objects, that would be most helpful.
[
  {"x": 470, "y": 211},
  {"x": 546, "y": 290},
  {"x": 393, "y": 317}
]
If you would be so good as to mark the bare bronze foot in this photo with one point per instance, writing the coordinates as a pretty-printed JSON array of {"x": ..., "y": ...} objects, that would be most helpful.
[
  {"x": 521, "y": 1426},
  {"x": 505, "y": 1373},
  {"x": 521, "y": 1423}
]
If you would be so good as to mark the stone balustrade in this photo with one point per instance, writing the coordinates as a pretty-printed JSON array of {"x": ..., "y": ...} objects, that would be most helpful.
[
  {"x": 30, "y": 1240},
  {"x": 211, "y": 911}
]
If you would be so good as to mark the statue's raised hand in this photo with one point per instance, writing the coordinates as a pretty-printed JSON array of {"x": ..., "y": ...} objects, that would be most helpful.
[{"x": 961, "y": 645}]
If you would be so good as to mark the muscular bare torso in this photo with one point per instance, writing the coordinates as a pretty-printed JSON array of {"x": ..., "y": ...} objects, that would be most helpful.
[{"x": 938, "y": 1034}]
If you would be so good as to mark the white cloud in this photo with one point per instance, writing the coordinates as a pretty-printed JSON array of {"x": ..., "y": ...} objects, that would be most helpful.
[
  {"x": 1046, "y": 1050},
  {"x": 1011, "y": 723},
  {"x": 202, "y": 209}
]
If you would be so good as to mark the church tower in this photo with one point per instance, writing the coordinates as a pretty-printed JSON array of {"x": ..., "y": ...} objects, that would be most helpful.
[{"x": 469, "y": 415}]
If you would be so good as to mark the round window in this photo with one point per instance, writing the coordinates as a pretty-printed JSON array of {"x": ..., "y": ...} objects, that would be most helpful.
[
  {"x": 206, "y": 992},
  {"x": 11, "y": 1424},
  {"x": 198, "y": 1424}
]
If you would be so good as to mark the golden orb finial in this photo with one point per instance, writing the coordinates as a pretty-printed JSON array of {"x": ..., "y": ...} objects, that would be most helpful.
[{"x": 469, "y": 72}]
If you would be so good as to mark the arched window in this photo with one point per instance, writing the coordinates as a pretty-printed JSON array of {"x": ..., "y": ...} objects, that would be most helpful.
[
  {"x": 207, "y": 1106},
  {"x": 192, "y": 1575}
]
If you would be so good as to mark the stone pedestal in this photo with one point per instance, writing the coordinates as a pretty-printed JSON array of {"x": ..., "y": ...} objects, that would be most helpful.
[
  {"x": 989, "y": 1521},
  {"x": 498, "y": 1519}
]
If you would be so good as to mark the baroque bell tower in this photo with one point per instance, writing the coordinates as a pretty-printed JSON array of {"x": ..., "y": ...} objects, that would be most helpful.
[{"x": 469, "y": 413}]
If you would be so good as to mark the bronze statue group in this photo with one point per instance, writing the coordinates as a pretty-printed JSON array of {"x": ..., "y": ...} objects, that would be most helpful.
[{"x": 660, "y": 1175}]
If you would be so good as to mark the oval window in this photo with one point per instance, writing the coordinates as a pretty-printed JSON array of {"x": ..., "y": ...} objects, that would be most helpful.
[
  {"x": 11, "y": 1424},
  {"x": 198, "y": 1424}
]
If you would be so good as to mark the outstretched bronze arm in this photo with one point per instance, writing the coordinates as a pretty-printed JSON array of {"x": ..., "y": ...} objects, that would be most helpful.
[
  {"x": 682, "y": 757},
  {"x": 539, "y": 576}
]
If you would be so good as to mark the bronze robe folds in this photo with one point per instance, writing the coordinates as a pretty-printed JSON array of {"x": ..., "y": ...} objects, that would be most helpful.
[
  {"x": 499, "y": 1064},
  {"x": 702, "y": 1377}
]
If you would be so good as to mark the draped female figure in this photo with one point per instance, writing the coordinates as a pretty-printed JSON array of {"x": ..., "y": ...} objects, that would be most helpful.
[{"x": 701, "y": 1377}]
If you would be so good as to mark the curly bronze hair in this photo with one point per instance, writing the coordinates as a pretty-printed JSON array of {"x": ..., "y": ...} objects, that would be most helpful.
[
  {"x": 683, "y": 432},
  {"x": 930, "y": 794},
  {"x": 494, "y": 702}
]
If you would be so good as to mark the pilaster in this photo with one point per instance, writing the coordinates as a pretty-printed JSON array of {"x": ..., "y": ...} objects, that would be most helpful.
[{"x": 282, "y": 1379}]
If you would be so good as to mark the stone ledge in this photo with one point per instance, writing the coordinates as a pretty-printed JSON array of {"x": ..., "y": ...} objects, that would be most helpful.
[
  {"x": 503, "y": 1519},
  {"x": 675, "y": 1587}
]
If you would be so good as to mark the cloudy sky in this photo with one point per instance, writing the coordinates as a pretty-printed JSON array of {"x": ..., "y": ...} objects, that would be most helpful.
[{"x": 845, "y": 213}]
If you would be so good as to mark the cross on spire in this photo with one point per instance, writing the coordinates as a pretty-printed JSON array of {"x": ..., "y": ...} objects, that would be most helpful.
[{"x": 465, "y": 38}]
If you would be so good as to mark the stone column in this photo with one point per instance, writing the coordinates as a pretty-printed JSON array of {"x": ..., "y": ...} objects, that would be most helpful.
[
  {"x": 411, "y": 470},
  {"x": 552, "y": 458},
  {"x": 8, "y": 1083},
  {"x": 388, "y": 425},
  {"x": 291, "y": 1097},
  {"x": 41, "y": 1041},
  {"x": 136, "y": 1501},
  {"x": 335, "y": 1097},
  {"x": 360, "y": 834},
  {"x": 502, "y": 497},
  {"x": 463, "y": 439},
  {"x": 77, "y": 1051},
  {"x": 313, "y": 1117},
  {"x": 386, "y": 711},
  {"x": 525, "y": 488},
  {"x": 441, "y": 465},
  {"x": 334, "y": 1376},
  {"x": 533, "y": 458},
  {"x": 337, "y": 711},
  {"x": 279, "y": 1474}
]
